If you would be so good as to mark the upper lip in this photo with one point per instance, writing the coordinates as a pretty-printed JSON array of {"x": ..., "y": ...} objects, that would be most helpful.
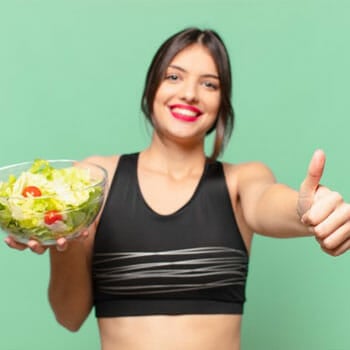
[{"x": 188, "y": 107}]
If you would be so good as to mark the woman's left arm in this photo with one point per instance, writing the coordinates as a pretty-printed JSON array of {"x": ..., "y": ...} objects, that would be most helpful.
[{"x": 276, "y": 210}]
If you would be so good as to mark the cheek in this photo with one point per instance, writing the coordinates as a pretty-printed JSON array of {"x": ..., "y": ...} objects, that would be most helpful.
[
  {"x": 163, "y": 96},
  {"x": 159, "y": 104},
  {"x": 164, "y": 92},
  {"x": 157, "y": 101},
  {"x": 215, "y": 105}
]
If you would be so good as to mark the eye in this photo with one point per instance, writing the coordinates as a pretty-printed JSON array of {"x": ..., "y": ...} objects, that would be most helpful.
[
  {"x": 172, "y": 77},
  {"x": 210, "y": 85}
]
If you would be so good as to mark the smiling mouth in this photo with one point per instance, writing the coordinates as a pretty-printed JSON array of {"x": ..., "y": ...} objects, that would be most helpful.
[{"x": 185, "y": 112}]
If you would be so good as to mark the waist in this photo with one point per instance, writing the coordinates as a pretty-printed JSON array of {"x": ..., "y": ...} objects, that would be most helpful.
[{"x": 190, "y": 332}]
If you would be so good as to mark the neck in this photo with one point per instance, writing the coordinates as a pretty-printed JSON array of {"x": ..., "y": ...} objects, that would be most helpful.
[{"x": 173, "y": 158}]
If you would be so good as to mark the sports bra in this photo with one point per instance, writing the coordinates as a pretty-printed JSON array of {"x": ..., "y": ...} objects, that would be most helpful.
[{"x": 192, "y": 261}]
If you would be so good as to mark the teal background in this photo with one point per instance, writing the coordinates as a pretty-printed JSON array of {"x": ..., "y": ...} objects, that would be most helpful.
[{"x": 71, "y": 77}]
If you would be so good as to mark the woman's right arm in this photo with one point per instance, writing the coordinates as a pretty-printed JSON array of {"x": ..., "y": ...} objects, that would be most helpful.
[{"x": 70, "y": 285}]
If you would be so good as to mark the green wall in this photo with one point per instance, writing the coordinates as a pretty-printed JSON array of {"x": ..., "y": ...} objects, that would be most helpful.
[{"x": 71, "y": 76}]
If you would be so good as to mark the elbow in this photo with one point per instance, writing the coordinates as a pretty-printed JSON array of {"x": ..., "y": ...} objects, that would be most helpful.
[
  {"x": 70, "y": 314},
  {"x": 70, "y": 324},
  {"x": 69, "y": 317}
]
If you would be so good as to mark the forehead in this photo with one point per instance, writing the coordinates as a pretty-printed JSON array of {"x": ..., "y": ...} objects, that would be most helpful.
[{"x": 195, "y": 58}]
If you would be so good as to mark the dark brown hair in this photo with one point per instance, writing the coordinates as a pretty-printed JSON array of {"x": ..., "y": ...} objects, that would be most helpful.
[{"x": 223, "y": 125}]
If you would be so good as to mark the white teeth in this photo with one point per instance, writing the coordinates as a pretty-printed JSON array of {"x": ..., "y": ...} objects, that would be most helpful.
[{"x": 185, "y": 112}]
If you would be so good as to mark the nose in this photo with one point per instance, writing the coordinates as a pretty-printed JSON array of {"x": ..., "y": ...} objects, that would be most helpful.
[{"x": 189, "y": 92}]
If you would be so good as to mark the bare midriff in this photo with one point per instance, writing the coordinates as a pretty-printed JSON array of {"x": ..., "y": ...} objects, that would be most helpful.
[{"x": 186, "y": 332}]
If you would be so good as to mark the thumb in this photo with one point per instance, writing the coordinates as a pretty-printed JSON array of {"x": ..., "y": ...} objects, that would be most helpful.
[
  {"x": 311, "y": 182},
  {"x": 314, "y": 174}
]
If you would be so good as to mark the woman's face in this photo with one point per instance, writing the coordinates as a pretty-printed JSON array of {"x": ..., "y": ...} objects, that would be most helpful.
[{"x": 187, "y": 101}]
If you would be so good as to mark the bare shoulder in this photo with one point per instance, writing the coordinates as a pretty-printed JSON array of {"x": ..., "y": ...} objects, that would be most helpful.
[
  {"x": 105, "y": 161},
  {"x": 108, "y": 162},
  {"x": 238, "y": 175}
]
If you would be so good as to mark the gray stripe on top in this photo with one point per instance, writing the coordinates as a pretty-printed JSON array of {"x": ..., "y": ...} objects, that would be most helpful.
[{"x": 218, "y": 263}]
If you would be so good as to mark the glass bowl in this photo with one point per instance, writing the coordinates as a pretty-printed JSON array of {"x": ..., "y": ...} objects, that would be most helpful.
[{"x": 48, "y": 199}]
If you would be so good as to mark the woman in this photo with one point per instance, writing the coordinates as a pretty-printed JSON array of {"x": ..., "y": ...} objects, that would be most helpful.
[{"x": 165, "y": 264}]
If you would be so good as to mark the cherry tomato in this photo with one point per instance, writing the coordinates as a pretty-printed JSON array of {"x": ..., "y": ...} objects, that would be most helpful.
[
  {"x": 31, "y": 191},
  {"x": 52, "y": 216}
]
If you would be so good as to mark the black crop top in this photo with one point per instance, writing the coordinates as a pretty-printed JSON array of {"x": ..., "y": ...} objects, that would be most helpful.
[{"x": 193, "y": 261}]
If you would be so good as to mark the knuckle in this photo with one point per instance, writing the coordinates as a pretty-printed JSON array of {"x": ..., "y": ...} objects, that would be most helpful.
[
  {"x": 319, "y": 232},
  {"x": 306, "y": 218},
  {"x": 311, "y": 220},
  {"x": 346, "y": 209},
  {"x": 337, "y": 196},
  {"x": 329, "y": 245}
]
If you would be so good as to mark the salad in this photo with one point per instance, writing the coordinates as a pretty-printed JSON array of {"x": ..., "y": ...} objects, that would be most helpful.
[{"x": 44, "y": 202}]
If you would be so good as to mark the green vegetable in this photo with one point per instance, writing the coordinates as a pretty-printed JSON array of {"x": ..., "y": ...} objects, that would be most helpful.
[{"x": 71, "y": 191}]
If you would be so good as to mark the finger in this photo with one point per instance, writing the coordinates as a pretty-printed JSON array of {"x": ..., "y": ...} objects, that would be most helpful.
[
  {"x": 314, "y": 173},
  {"x": 61, "y": 244},
  {"x": 36, "y": 247},
  {"x": 322, "y": 210},
  {"x": 333, "y": 222},
  {"x": 342, "y": 248},
  {"x": 14, "y": 244},
  {"x": 337, "y": 237},
  {"x": 83, "y": 236}
]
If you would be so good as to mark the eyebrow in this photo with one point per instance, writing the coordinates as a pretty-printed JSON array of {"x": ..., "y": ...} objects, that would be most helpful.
[{"x": 214, "y": 76}]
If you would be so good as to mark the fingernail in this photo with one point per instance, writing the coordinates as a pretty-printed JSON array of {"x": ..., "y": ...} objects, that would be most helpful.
[
  {"x": 60, "y": 248},
  {"x": 32, "y": 245}
]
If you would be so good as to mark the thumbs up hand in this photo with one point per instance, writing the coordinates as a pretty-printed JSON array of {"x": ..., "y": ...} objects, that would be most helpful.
[{"x": 324, "y": 211}]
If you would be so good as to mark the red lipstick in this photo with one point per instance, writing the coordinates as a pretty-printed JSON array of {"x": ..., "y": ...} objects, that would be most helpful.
[{"x": 184, "y": 112}]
